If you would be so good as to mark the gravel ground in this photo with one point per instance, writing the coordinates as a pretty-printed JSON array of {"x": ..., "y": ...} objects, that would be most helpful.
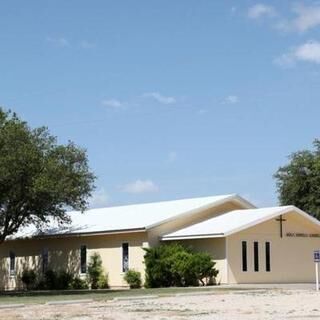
[{"x": 262, "y": 304}]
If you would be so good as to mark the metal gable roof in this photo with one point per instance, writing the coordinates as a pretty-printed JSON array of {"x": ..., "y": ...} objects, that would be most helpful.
[
  {"x": 232, "y": 222},
  {"x": 129, "y": 218}
]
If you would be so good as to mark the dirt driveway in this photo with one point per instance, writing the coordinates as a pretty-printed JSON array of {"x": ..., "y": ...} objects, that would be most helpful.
[{"x": 255, "y": 304}]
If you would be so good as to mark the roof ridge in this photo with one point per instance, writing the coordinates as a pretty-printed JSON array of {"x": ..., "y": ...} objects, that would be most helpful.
[{"x": 158, "y": 202}]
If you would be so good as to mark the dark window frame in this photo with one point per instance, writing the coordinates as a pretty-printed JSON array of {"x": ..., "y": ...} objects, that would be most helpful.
[
  {"x": 268, "y": 256},
  {"x": 12, "y": 263},
  {"x": 83, "y": 259},
  {"x": 244, "y": 250},
  {"x": 45, "y": 260},
  {"x": 256, "y": 256},
  {"x": 125, "y": 256}
]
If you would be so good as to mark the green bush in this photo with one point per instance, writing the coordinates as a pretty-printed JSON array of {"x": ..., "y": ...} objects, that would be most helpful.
[
  {"x": 98, "y": 279},
  {"x": 49, "y": 280},
  {"x": 202, "y": 267},
  {"x": 103, "y": 282},
  {"x": 78, "y": 284},
  {"x": 63, "y": 280},
  {"x": 29, "y": 278},
  {"x": 175, "y": 265},
  {"x": 133, "y": 278},
  {"x": 52, "y": 280},
  {"x": 57, "y": 280}
]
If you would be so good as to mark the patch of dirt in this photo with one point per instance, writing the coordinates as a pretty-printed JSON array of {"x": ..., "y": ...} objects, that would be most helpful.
[{"x": 270, "y": 304}]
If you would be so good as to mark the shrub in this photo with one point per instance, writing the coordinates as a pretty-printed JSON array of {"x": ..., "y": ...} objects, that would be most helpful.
[
  {"x": 96, "y": 275},
  {"x": 103, "y": 282},
  {"x": 29, "y": 278},
  {"x": 202, "y": 267},
  {"x": 181, "y": 269},
  {"x": 175, "y": 265},
  {"x": 63, "y": 280},
  {"x": 78, "y": 283},
  {"x": 49, "y": 280},
  {"x": 157, "y": 262},
  {"x": 133, "y": 278},
  {"x": 53, "y": 280}
]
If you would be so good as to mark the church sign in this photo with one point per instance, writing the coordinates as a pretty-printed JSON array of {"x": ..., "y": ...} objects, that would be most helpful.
[{"x": 302, "y": 235}]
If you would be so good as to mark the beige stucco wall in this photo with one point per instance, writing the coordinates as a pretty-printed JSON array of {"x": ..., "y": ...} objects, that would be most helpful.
[
  {"x": 64, "y": 254},
  {"x": 216, "y": 247},
  {"x": 291, "y": 257}
]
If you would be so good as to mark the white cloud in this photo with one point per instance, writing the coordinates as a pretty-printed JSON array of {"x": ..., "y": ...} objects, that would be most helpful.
[
  {"x": 99, "y": 199},
  {"x": 59, "y": 42},
  {"x": 86, "y": 44},
  {"x": 160, "y": 98},
  {"x": 202, "y": 111},
  {"x": 286, "y": 60},
  {"x": 308, "y": 52},
  {"x": 172, "y": 156},
  {"x": 140, "y": 186},
  {"x": 260, "y": 10},
  {"x": 112, "y": 103},
  {"x": 306, "y": 18},
  {"x": 232, "y": 99}
]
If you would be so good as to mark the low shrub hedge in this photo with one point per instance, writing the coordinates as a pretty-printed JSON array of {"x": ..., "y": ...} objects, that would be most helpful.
[
  {"x": 52, "y": 280},
  {"x": 64, "y": 280}
]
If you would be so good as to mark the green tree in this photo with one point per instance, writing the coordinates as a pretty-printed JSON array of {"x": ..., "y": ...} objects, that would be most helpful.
[
  {"x": 39, "y": 178},
  {"x": 175, "y": 265},
  {"x": 298, "y": 182},
  {"x": 97, "y": 277},
  {"x": 203, "y": 267}
]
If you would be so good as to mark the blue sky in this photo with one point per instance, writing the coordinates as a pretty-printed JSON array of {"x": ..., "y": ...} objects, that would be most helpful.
[{"x": 172, "y": 99}]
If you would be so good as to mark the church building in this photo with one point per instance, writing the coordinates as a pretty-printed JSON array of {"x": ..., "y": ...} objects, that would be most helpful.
[{"x": 249, "y": 244}]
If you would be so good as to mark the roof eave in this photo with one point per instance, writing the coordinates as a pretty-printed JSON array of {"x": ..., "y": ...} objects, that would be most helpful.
[
  {"x": 79, "y": 234},
  {"x": 190, "y": 237}
]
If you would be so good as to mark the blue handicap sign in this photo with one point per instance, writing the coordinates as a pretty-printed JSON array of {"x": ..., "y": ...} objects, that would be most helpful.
[{"x": 316, "y": 256}]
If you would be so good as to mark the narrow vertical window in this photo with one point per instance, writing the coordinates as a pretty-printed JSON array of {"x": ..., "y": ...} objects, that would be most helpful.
[
  {"x": 83, "y": 259},
  {"x": 268, "y": 263},
  {"x": 45, "y": 260},
  {"x": 12, "y": 266},
  {"x": 125, "y": 257},
  {"x": 256, "y": 256},
  {"x": 244, "y": 256}
]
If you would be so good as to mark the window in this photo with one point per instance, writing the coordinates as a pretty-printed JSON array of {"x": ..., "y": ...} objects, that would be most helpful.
[
  {"x": 125, "y": 257},
  {"x": 12, "y": 266},
  {"x": 244, "y": 256},
  {"x": 45, "y": 260},
  {"x": 83, "y": 259},
  {"x": 256, "y": 256},
  {"x": 268, "y": 264}
]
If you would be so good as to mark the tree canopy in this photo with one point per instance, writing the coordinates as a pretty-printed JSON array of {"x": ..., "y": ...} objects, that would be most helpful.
[
  {"x": 298, "y": 182},
  {"x": 39, "y": 178},
  {"x": 175, "y": 265}
]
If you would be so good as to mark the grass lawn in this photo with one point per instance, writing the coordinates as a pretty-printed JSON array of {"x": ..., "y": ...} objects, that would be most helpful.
[{"x": 103, "y": 295}]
